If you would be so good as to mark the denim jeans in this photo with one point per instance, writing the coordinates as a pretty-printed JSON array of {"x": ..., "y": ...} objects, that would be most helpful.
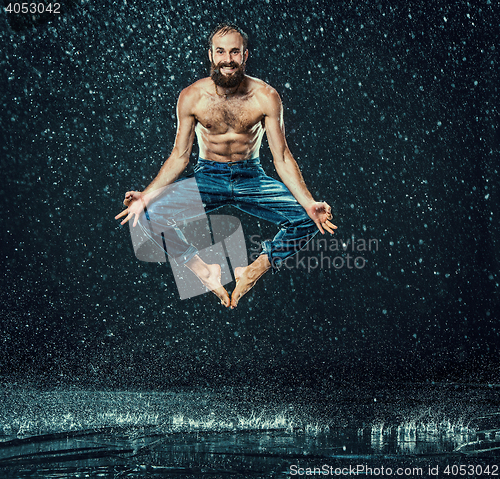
[{"x": 242, "y": 184}]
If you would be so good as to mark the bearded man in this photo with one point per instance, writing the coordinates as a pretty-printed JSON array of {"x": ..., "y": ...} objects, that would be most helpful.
[{"x": 229, "y": 112}]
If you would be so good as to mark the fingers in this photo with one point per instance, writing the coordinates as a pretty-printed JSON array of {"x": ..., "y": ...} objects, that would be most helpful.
[
  {"x": 329, "y": 211},
  {"x": 318, "y": 224},
  {"x": 329, "y": 227},
  {"x": 122, "y": 214},
  {"x": 130, "y": 215},
  {"x": 326, "y": 225},
  {"x": 129, "y": 197},
  {"x": 128, "y": 200}
]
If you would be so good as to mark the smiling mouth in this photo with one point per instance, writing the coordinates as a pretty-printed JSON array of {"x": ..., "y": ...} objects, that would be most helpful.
[{"x": 228, "y": 68}]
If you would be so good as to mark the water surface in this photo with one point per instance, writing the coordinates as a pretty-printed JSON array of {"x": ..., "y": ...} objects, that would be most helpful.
[{"x": 248, "y": 433}]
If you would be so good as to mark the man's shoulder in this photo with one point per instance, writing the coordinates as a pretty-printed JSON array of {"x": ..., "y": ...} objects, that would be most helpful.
[
  {"x": 197, "y": 88},
  {"x": 265, "y": 94},
  {"x": 260, "y": 87}
]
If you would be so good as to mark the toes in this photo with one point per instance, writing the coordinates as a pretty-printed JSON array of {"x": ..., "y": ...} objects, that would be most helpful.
[{"x": 234, "y": 300}]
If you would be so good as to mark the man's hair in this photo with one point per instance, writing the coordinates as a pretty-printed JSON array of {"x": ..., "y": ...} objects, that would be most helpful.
[{"x": 227, "y": 27}]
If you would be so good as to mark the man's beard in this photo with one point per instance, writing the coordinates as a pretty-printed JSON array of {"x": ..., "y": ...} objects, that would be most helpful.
[{"x": 227, "y": 81}]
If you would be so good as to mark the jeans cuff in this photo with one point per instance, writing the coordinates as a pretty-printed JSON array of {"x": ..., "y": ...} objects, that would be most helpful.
[
  {"x": 276, "y": 261},
  {"x": 186, "y": 257}
]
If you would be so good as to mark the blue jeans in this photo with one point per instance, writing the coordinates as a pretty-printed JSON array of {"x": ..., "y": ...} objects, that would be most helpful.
[{"x": 242, "y": 184}]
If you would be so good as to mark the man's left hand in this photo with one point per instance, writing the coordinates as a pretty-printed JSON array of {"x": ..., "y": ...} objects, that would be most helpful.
[{"x": 321, "y": 213}]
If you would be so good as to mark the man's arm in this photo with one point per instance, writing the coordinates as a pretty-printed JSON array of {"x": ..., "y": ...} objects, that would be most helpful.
[
  {"x": 286, "y": 166},
  {"x": 173, "y": 166},
  {"x": 179, "y": 158}
]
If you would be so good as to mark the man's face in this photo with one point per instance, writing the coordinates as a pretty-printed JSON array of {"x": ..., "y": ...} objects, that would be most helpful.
[{"x": 227, "y": 59}]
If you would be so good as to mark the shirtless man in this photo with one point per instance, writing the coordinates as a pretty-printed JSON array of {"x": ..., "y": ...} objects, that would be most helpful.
[{"x": 229, "y": 113}]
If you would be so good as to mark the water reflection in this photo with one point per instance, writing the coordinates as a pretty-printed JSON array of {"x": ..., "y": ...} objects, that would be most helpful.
[{"x": 65, "y": 434}]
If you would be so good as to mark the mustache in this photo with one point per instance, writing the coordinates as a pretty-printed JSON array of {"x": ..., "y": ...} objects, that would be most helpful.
[{"x": 227, "y": 65}]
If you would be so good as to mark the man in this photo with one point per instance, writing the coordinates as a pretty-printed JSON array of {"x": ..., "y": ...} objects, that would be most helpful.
[{"x": 229, "y": 113}]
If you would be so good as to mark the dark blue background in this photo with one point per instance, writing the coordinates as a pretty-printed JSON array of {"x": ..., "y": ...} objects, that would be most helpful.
[{"x": 391, "y": 110}]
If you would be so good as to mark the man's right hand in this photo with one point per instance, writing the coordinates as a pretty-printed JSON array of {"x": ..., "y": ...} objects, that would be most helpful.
[{"x": 135, "y": 204}]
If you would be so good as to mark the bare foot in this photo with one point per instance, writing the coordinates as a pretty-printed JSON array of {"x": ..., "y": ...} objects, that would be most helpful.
[
  {"x": 247, "y": 277},
  {"x": 210, "y": 276}
]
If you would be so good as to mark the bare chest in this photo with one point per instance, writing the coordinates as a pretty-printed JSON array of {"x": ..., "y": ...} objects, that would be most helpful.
[{"x": 220, "y": 115}]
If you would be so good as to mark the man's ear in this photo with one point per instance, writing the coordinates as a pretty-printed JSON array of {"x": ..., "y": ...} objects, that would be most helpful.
[
  {"x": 246, "y": 55},
  {"x": 210, "y": 54}
]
